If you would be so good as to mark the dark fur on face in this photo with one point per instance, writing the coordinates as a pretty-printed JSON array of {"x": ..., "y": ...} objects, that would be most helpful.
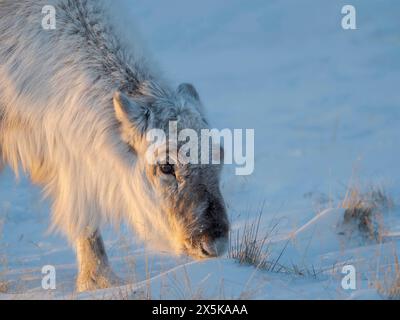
[
  {"x": 198, "y": 203},
  {"x": 189, "y": 193}
]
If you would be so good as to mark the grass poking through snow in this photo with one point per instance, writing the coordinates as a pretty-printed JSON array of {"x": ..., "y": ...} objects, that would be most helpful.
[
  {"x": 389, "y": 287},
  {"x": 247, "y": 247},
  {"x": 250, "y": 246},
  {"x": 365, "y": 211}
]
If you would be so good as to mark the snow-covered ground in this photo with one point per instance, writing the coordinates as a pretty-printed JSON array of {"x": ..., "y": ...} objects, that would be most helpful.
[{"x": 325, "y": 108}]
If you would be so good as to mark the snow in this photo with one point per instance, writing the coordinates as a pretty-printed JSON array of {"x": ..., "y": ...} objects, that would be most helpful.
[{"x": 325, "y": 108}]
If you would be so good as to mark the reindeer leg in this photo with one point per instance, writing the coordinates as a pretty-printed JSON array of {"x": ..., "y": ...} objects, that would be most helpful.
[{"x": 94, "y": 269}]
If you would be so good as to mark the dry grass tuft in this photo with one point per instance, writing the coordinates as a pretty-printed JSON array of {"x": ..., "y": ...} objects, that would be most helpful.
[
  {"x": 248, "y": 247},
  {"x": 389, "y": 287},
  {"x": 365, "y": 211},
  {"x": 4, "y": 286}
]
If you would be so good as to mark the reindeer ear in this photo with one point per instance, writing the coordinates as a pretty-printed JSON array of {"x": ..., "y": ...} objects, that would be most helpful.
[
  {"x": 188, "y": 93},
  {"x": 132, "y": 115},
  {"x": 187, "y": 90}
]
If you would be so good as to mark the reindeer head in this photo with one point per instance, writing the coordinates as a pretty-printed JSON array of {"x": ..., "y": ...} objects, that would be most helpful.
[{"x": 187, "y": 194}]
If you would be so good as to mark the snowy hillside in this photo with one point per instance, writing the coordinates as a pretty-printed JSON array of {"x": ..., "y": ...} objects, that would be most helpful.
[{"x": 325, "y": 108}]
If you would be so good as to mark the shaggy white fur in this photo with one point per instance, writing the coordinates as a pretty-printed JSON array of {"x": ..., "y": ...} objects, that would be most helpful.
[
  {"x": 57, "y": 120},
  {"x": 75, "y": 105}
]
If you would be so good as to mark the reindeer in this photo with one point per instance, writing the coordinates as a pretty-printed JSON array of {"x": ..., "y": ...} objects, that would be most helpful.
[{"x": 75, "y": 105}]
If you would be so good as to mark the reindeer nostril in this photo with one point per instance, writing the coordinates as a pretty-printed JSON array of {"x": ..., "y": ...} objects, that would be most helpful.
[
  {"x": 206, "y": 252},
  {"x": 215, "y": 248}
]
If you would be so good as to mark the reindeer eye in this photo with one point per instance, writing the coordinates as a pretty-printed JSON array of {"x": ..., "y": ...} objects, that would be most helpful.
[{"x": 167, "y": 169}]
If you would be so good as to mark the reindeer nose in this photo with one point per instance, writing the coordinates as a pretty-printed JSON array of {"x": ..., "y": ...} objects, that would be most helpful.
[{"x": 214, "y": 248}]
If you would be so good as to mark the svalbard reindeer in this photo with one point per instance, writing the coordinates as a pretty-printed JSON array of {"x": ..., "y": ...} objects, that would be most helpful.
[{"x": 75, "y": 105}]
